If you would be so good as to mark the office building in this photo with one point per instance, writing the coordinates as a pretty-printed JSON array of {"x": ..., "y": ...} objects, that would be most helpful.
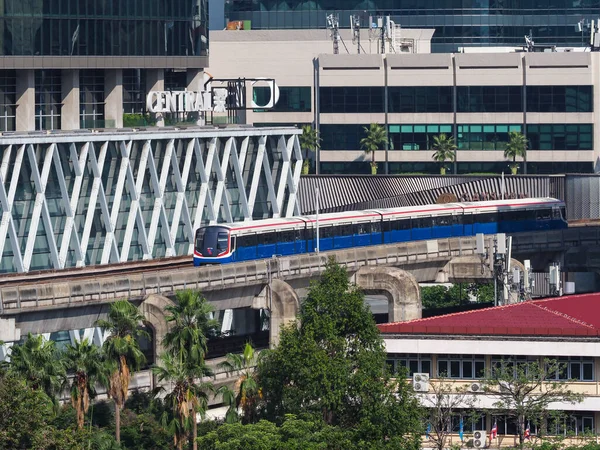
[
  {"x": 551, "y": 97},
  {"x": 456, "y": 23},
  {"x": 84, "y": 64}
]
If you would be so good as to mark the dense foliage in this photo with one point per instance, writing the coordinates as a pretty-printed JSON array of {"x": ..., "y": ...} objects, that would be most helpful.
[
  {"x": 434, "y": 297},
  {"x": 331, "y": 366}
]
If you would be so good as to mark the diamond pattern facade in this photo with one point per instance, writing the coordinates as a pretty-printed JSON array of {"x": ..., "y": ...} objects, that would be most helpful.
[{"x": 80, "y": 199}]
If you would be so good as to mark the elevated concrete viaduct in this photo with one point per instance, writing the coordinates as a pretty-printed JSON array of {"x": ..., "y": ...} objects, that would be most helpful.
[{"x": 29, "y": 306}]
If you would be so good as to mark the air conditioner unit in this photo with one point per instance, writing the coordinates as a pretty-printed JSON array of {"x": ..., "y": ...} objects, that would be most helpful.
[
  {"x": 475, "y": 387},
  {"x": 479, "y": 439},
  {"x": 421, "y": 382}
]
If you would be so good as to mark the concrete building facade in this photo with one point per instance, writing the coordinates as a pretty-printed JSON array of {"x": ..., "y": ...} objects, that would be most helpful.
[
  {"x": 462, "y": 349},
  {"x": 553, "y": 98}
]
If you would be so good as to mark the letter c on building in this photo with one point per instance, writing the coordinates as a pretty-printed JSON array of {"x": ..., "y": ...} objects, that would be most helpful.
[{"x": 152, "y": 103}]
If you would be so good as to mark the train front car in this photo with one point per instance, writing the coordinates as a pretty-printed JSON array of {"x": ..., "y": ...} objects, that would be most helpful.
[{"x": 212, "y": 245}]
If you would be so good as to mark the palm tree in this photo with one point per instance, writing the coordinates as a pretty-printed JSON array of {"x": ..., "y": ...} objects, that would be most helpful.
[
  {"x": 229, "y": 399},
  {"x": 186, "y": 340},
  {"x": 40, "y": 364},
  {"x": 186, "y": 395},
  {"x": 84, "y": 359},
  {"x": 309, "y": 142},
  {"x": 189, "y": 327},
  {"x": 246, "y": 390},
  {"x": 445, "y": 150},
  {"x": 516, "y": 147},
  {"x": 122, "y": 352},
  {"x": 375, "y": 139}
]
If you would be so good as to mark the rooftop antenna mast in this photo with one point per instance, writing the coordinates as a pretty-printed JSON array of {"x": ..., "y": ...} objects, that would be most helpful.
[
  {"x": 333, "y": 24},
  {"x": 355, "y": 27}
]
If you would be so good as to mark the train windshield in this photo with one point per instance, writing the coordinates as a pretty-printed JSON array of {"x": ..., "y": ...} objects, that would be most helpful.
[{"x": 212, "y": 241}]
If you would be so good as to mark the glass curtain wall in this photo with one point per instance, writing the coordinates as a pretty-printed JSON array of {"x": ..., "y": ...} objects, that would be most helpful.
[
  {"x": 110, "y": 28},
  {"x": 48, "y": 99},
  {"x": 457, "y": 23}
]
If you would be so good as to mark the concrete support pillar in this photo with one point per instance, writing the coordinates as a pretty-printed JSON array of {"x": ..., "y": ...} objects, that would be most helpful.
[
  {"x": 113, "y": 98},
  {"x": 69, "y": 115},
  {"x": 284, "y": 304},
  {"x": 195, "y": 83},
  {"x": 153, "y": 309},
  {"x": 400, "y": 287},
  {"x": 25, "y": 120},
  {"x": 155, "y": 81}
]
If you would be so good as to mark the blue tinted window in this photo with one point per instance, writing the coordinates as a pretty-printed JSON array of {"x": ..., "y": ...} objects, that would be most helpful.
[
  {"x": 420, "y": 99},
  {"x": 560, "y": 98},
  {"x": 490, "y": 99},
  {"x": 560, "y": 137},
  {"x": 352, "y": 99}
]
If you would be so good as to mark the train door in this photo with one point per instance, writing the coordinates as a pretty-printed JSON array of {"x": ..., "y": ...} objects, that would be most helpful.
[
  {"x": 421, "y": 228},
  {"x": 286, "y": 242},
  {"x": 441, "y": 226},
  {"x": 266, "y": 245},
  {"x": 245, "y": 247}
]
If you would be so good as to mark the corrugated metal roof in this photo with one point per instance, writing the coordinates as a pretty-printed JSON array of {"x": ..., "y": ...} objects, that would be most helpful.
[
  {"x": 577, "y": 315},
  {"x": 356, "y": 192}
]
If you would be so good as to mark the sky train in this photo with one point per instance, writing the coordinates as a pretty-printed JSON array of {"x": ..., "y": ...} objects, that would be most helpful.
[{"x": 243, "y": 241}]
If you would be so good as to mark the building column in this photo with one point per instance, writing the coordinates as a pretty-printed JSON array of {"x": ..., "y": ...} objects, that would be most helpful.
[
  {"x": 70, "y": 112},
  {"x": 25, "y": 114},
  {"x": 195, "y": 83},
  {"x": 155, "y": 81},
  {"x": 113, "y": 98}
]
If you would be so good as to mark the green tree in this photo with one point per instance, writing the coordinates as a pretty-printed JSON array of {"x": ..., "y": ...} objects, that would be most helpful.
[
  {"x": 523, "y": 391},
  {"x": 332, "y": 366},
  {"x": 84, "y": 360},
  {"x": 122, "y": 351},
  {"x": 24, "y": 413},
  {"x": 445, "y": 150},
  {"x": 442, "y": 404},
  {"x": 40, "y": 364},
  {"x": 309, "y": 142},
  {"x": 247, "y": 393},
  {"x": 185, "y": 398},
  {"x": 375, "y": 139},
  {"x": 186, "y": 341},
  {"x": 516, "y": 148}
]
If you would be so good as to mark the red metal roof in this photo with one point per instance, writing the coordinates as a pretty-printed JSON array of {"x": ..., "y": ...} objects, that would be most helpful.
[{"x": 575, "y": 315}]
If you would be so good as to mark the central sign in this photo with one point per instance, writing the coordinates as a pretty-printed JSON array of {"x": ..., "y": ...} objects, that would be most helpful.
[
  {"x": 178, "y": 101},
  {"x": 216, "y": 99}
]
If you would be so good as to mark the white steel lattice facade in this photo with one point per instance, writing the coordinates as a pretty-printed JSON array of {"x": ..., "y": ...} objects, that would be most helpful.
[{"x": 83, "y": 199}]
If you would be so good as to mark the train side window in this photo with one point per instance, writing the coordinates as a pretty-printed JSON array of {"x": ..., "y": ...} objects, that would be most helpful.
[
  {"x": 345, "y": 230},
  {"x": 389, "y": 225},
  {"x": 442, "y": 221},
  {"x": 247, "y": 241},
  {"x": 200, "y": 237},
  {"x": 299, "y": 235},
  {"x": 468, "y": 219},
  {"x": 286, "y": 236},
  {"x": 563, "y": 212},
  {"x": 269, "y": 238},
  {"x": 222, "y": 242},
  {"x": 325, "y": 232},
  {"x": 375, "y": 227},
  {"x": 556, "y": 213},
  {"x": 361, "y": 228},
  {"x": 404, "y": 224},
  {"x": 457, "y": 220},
  {"x": 311, "y": 234},
  {"x": 487, "y": 218},
  {"x": 424, "y": 222},
  {"x": 233, "y": 242},
  {"x": 543, "y": 214}
]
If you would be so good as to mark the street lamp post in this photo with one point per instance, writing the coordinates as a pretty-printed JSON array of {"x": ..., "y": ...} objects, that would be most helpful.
[{"x": 317, "y": 218}]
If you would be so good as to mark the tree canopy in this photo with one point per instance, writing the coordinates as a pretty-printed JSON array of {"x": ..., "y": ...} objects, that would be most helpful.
[{"x": 331, "y": 365}]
